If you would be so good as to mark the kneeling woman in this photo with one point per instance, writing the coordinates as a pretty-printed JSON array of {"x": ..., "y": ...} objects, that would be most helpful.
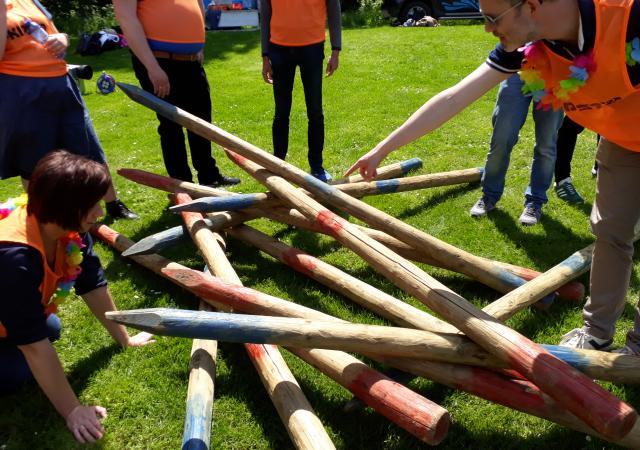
[{"x": 44, "y": 253}]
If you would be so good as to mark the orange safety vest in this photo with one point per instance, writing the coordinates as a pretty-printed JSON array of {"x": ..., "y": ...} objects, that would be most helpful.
[
  {"x": 608, "y": 103},
  {"x": 21, "y": 228},
  {"x": 298, "y": 22},
  {"x": 23, "y": 55}
]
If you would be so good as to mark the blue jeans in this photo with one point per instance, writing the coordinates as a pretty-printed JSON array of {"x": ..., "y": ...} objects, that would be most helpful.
[
  {"x": 508, "y": 117},
  {"x": 14, "y": 370}
]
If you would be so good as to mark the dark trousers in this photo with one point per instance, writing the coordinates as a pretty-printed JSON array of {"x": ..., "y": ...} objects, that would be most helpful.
[
  {"x": 190, "y": 92},
  {"x": 567, "y": 138},
  {"x": 14, "y": 370},
  {"x": 283, "y": 63}
]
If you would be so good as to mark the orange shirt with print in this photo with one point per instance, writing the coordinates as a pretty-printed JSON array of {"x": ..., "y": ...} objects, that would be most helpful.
[{"x": 23, "y": 55}]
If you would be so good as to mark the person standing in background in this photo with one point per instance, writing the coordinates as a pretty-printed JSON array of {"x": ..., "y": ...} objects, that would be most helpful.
[
  {"x": 293, "y": 35},
  {"x": 41, "y": 108},
  {"x": 167, "y": 40}
]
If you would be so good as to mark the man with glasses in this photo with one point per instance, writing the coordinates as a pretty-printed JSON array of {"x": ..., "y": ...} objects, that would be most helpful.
[{"x": 595, "y": 78}]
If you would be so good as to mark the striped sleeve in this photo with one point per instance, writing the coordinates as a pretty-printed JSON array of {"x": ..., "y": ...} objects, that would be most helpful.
[{"x": 504, "y": 61}]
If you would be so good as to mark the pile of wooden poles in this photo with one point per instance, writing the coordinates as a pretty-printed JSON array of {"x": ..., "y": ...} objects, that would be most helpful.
[{"x": 470, "y": 349}]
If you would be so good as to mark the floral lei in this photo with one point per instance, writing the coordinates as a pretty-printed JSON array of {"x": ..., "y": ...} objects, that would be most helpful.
[
  {"x": 73, "y": 245},
  {"x": 552, "y": 96}
]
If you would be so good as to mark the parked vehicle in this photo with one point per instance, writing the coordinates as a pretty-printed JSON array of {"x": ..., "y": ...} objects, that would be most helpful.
[{"x": 440, "y": 9}]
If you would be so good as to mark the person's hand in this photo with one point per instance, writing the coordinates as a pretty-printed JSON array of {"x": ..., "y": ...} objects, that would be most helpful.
[
  {"x": 57, "y": 44},
  {"x": 367, "y": 165},
  {"x": 333, "y": 63},
  {"x": 267, "y": 71},
  {"x": 160, "y": 81},
  {"x": 141, "y": 339},
  {"x": 84, "y": 423},
  {"x": 201, "y": 57}
]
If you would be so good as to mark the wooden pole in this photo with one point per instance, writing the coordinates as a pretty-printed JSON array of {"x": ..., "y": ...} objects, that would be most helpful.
[
  {"x": 393, "y": 170},
  {"x": 351, "y": 287},
  {"x": 382, "y": 341},
  {"x": 416, "y": 414},
  {"x": 200, "y": 392},
  {"x": 607, "y": 414},
  {"x": 357, "y": 190},
  {"x": 520, "y": 395},
  {"x": 571, "y": 291},
  {"x": 302, "y": 424}
]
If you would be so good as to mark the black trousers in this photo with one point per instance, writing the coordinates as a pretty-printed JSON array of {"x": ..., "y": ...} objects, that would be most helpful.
[
  {"x": 189, "y": 91},
  {"x": 567, "y": 138},
  {"x": 284, "y": 61}
]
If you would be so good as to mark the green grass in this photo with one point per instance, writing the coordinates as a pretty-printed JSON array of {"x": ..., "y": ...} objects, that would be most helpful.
[{"x": 385, "y": 75}]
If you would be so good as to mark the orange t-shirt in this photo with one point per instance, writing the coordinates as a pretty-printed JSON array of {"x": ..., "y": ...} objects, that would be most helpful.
[
  {"x": 608, "y": 103},
  {"x": 175, "y": 26},
  {"x": 298, "y": 22},
  {"x": 23, "y": 55}
]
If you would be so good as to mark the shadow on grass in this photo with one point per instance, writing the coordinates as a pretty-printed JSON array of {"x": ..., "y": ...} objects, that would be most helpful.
[
  {"x": 227, "y": 44},
  {"x": 438, "y": 198}
]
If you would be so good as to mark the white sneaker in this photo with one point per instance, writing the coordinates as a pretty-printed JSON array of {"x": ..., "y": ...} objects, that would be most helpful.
[{"x": 579, "y": 338}]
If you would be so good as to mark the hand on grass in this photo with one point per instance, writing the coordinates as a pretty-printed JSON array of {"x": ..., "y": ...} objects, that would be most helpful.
[
  {"x": 140, "y": 339},
  {"x": 84, "y": 423}
]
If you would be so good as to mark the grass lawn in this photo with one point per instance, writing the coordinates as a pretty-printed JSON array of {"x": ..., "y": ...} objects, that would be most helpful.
[{"x": 385, "y": 74}]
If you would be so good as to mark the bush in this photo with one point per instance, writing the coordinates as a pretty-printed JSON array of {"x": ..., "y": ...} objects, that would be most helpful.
[
  {"x": 76, "y": 16},
  {"x": 367, "y": 14}
]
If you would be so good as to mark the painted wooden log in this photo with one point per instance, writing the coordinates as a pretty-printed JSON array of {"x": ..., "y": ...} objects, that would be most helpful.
[
  {"x": 606, "y": 413},
  {"x": 416, "y": 414},
  {"x": 302, "y": 424},
  {"x": 168, "y": 184},
  {"x": 351, "y": 287},
  {"x": 364, "y": 339},
  {"x": 527, "y": 294},
  {"x": 454, "y": 349},
  {"x": 571, "y": 291},
  {"x": 520, "y": 395},
  {"x": 357, "y": 190},
  {"x": 200, "y": 392},
  {"x": 460, "y": 261},
  {"x": 364, "y": 188},
  {"x": 393, "y": 170}
]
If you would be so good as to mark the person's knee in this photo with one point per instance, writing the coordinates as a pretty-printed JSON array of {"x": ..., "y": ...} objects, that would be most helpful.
[{"x": 54, "y": 327}]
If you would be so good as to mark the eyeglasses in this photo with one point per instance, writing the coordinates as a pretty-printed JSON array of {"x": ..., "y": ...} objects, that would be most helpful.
[{"x": 494, "y": 20}]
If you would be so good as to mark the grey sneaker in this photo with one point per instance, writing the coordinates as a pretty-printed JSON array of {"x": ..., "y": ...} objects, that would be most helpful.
[
  {"x": 566, "y": 191},
  {"x": 482, "y": 207},
  {"x": 579, "y": 338},
  {"x": 531, "y": 215},
  {"x": 626, "y": 350}
]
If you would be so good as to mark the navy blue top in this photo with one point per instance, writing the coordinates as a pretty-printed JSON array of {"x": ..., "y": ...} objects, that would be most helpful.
[
  {"x": 21, "y": 273},
  {"x": 509, "y": 62}
]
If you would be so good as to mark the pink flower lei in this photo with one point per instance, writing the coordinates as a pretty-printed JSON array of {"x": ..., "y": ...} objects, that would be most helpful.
[
  {"x": 73, "y": 246},
  {"x": 537, "y": 88}
]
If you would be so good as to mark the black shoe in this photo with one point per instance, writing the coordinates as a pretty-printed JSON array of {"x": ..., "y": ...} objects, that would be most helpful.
[
  {"x": 224, "y": 181},
  {"x": 118, "y": 210}
]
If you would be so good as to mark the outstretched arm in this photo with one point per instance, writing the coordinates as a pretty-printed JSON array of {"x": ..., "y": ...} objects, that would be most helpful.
[
  {"x": 127, "y": 16},
  {"x": 438, "y": 110},
  {"x": 82, "y": 421},
  {"x": 99, "y": 301}
]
